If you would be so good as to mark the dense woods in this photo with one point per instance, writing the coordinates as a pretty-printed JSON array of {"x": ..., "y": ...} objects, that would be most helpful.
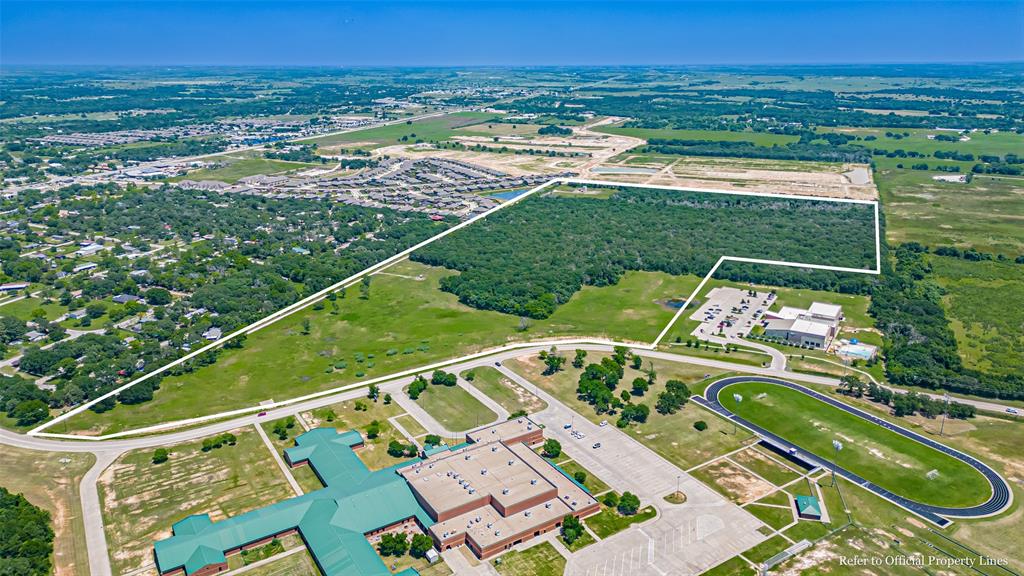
[
  {"x": 26, "y": 538},
  {"x": 529, "y": 260}
]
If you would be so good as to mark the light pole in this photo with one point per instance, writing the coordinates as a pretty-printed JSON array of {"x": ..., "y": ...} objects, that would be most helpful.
[
  {"x": 677, "y": 483},
  {"x": 945, "y": 410},
  {"x": 738, "y": 398},
  {"x": 836, "y": 446}
]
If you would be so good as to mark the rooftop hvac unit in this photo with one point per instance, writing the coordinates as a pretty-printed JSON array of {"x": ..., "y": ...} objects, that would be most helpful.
[
  {"x": 528, "y": 513},
  {"x": 547, "y": 505},
  {"x": 504, "y": 490},
  {"x": 510, "y": 462},
  {"x": 533, "y": 482},
  {"x": 490, "y": 525},
  {"x": 494, "y": 448},
  {"x": 497, "y": 532},
  {"x": 483, "y": 472}
]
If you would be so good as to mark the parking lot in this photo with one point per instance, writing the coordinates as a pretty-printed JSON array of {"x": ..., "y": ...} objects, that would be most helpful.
[
  {"x": 683, "y": 539},
  {"x": 730, "y": 311}
]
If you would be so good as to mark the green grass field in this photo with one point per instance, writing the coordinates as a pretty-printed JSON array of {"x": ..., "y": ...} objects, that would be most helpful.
[
  {"x": 592, "y": 483},
  {"x": 50, "y": 481},
  {"x": 879, "y": 455},
  {"x": 608, "y": 521},
  {"x": 997, "y": 144},
  {"x": 406, "y": 322},
  {"x": 777, "y": 518},
  {"x": 759, "y": 138},
  {"x": 236, "y": 169},
  {"x": 454, "y": 408},
  {"x": 986, "y": 214},
  {"x": 672, "y": 436},
  {"x": 25, "y": 308},
  {"x": 141, "y": 500},
  {"x": 502, "y": 390},
  {"x": 985, "y": 304},
  {"x": 437, "y": 128},
  {"x": 539, "y": 560}
]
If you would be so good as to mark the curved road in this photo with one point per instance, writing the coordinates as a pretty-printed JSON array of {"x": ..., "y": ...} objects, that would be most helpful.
[
  {"x": 108, "y": 450},
  {"x": 1001, "y": 497}
]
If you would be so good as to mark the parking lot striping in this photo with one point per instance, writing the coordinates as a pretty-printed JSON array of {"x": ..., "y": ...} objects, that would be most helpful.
[{"x": 355, "y": 278}]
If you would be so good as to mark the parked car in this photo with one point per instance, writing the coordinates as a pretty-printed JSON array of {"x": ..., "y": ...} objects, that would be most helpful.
[{"x": 597, "y": 445}]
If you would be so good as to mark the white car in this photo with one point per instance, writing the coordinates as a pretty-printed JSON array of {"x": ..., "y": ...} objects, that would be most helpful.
[{"x": 603, "y": 423}]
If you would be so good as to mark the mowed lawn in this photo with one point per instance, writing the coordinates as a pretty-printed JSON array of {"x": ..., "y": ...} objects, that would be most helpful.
[
  {"x": 50, "y": 481},
  {"x": 406, "y": 322},
  {"x": 539, "y": 560},
  {"x": 235, "y": 169},
  {"x": 878, "y": 455},
  {"x": 504, "y": 391},
  {"x": 141, "y": 500},
  {"x": 455, "y": 408},
  {"x": 671, "y": 435}
]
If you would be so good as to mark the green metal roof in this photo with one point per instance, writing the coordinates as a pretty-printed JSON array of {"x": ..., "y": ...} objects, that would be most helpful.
[
  {"x": 332, "y": 520},
  {"x": 808, "y": 505}
]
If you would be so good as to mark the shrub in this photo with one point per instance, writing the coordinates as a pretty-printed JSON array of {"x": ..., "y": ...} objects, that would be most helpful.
[{"x": 700, "y": 425}]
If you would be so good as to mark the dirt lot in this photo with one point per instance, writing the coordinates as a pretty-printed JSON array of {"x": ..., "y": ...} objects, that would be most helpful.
[
  {"x": 831, "y": 180},
  {"x": 734, "y": 482}
]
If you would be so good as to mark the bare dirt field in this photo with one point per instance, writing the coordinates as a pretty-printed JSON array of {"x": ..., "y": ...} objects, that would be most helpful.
[
  {"x": 737, "y": 484},
  {"x": 830, "y": 180}
]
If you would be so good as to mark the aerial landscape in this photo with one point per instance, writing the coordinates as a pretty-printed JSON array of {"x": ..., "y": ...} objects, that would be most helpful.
[{"x": 511, "y": 288}]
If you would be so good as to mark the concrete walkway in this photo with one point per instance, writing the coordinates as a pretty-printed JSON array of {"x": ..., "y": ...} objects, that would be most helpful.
[{"x": 280, "y": 462}]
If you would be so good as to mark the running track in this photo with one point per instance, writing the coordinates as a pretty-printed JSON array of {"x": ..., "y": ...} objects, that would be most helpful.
[{"x": 1001, "y": 495}]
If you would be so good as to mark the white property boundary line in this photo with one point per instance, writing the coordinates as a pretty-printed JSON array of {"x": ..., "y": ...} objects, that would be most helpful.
[{"x": 351, "y": 280}]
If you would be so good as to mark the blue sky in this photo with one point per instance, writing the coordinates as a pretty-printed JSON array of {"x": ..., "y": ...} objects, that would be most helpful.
[{"x": 324, "y": 32}]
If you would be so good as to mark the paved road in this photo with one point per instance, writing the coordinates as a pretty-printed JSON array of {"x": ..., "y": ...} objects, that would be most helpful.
[
  {"x": 108, "y": 450},
  {"x": 1001, "y": 497}
]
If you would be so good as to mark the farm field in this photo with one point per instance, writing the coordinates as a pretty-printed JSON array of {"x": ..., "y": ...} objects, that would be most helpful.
[
  {"x": 405, "y": 322},
  {"x": 986, "y": 214},
  {"x": 994, "y": 144},
  {"x": 985, "y": 304},
  {"x": 883, "y": 457},
  {"x": 141, "y": 500},
  {"x": 429, "y": 129},
  {"x": 50, "y": 481}
]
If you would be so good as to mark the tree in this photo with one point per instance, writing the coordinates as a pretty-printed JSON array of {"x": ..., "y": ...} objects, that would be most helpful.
[
  {"x": 160, "y": 455},
  {"x": 387, "y": 399},
  {"x": 640, "y": 386},
  {"x": 553, "y": 363},
  {"x": 444, "y": 378},
  {"x": 417, "y": 387},
  {"x": 572, "y": 529},
  {"x": 610, "y": 499},
  {"x": 577, "y": 362},
  {"x": 421, "y": 544},
  {"x": 637, "y": 362},
  {"x": 629, "y": 503},
  {"x": 700, "y": 425},
  {"x": 580, "y": 476},
  {"x": 373, "y": 430},
  {"x": 675, "y": 396},
  {"x": 95, "y": 309},
  {"x": 30, "y": 412},
  {"x": 305, "y": 326},
  {"x": 552, "y": 448},
  {"x": 158, "y": 296},
  {"x": 619, "y": 355},
  {"x": 396, "y": 449},
  {"x": 852, "y": 386},
  {"x": 393, "y": 544},
  {"x": 26, "y": 548},
  {"x": 432, "y": 440},
  {"x": 364, "y": 288},
  {"x": 373, "y": 392}
]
